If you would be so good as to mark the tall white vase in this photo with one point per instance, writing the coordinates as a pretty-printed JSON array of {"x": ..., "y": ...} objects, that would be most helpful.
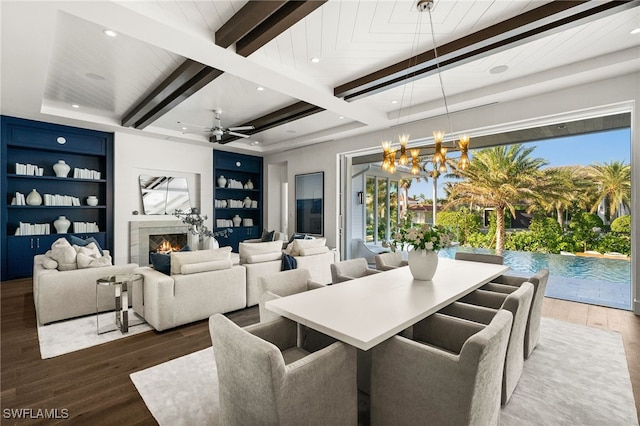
[
  {"x": 61, "y": 168},
  {"x": 423, "y": 264},
  {"x": 61, "y": 224}
]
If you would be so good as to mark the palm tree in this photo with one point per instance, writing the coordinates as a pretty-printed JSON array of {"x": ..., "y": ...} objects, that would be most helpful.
[
  {"x": 404, "y": 184},
  {"x": 614, "y": 183},
  {"x": 563, "y": 188},
  {"x": 500, "y": 177}
]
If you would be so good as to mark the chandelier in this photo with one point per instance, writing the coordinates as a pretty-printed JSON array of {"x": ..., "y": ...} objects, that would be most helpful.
[{"x": 439, "y": 158}]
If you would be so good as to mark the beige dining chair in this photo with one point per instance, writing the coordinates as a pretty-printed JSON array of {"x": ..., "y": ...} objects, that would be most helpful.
[
  {"x": 285, "y": 283},
  {"x": 508, "y": 284},
  {"x": 350, "y": 269},
  {"x": 265, "y": 378},
  {"x": 388, "y": 261},
  {"x": 480, "y": 257},
  {"x": 449, "y": 374},
  {"x": 482, "y": 306}
]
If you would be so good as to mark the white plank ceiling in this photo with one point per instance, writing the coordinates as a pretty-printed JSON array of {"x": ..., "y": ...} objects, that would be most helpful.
[{"x": 55, "y": 55}]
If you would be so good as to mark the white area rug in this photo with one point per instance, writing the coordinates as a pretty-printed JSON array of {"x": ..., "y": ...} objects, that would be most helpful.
[
  {"x": 576, "y": 376},
  {"x": 72, "y": 335}
]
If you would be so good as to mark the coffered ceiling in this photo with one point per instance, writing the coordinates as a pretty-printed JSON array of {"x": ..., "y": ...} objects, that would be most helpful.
[{"x": 55, "y": 55}]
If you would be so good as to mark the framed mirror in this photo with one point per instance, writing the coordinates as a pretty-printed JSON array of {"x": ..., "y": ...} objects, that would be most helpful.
[
  {"x": 164, "y": 194},
  {"x": 310, "y": 203}
]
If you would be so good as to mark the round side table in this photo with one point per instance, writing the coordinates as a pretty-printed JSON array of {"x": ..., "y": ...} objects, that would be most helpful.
[{"x": 120, "y": 283}]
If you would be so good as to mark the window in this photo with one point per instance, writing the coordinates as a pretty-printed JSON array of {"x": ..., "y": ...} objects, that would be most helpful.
[{"x": 382, "y": 211}]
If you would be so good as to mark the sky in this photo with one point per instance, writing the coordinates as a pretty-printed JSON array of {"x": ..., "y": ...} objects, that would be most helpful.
[{"x": 601, "y": 147}]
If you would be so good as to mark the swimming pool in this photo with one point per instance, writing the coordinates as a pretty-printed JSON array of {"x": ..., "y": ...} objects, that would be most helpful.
[{"x": 593, "y": 280}]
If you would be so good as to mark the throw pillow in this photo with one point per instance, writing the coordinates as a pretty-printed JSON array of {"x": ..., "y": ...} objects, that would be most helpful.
[
  {"x": 86, "y": 261},
  {"x": 63, "y": 253},
  {"x": 213, "y": 265},
  {"x": 178, "y": 258},
  {"x": 248, "y": 249},
  {"x": 48, "y": 262},
  {"x": 268, "y": 236},
  {"x": 162, "y": 262},
  {"x": 76, "y": 241},
  {"x": 90, "y": 250},
  {"x": 306, "y": 244}
]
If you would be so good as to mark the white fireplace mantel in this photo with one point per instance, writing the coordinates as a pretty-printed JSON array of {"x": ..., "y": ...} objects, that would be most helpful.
[{"x": 140, "y": 232}]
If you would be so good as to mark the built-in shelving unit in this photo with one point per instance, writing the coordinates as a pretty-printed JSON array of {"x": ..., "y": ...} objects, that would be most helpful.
[
  {"x": 42, "y": 145},
  {"x": 239, "y": 195}
]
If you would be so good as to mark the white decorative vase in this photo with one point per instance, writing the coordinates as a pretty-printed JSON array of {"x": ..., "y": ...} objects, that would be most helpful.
[
  {"x": 61, "y": 169},
  {"x": 237, "y": 220},
  {"x": 222, "y": 182},
  {"x": 423, "y": 264},
  {"x": 249, "y": 184},
  {"x": 92, "y": 200},
  {"x": 34, "y": 198},
  {"x": 61, "y": 224},
  {"x": 247, "y": 203}
]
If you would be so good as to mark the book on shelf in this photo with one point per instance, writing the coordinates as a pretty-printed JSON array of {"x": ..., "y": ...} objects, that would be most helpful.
[
  {"x": 19, "y": 199},
  {"x": 82, "y": 227},
  {"x": 81, "y": 173},
  {"x": 29, "y": 170},
  {"x": 33, "y": 229},
  {"x": 60, "y": 200}
]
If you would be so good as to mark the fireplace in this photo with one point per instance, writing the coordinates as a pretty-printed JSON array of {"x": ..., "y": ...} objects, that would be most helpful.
[
  {"x": 166, "y": 243},
  {"x": 145, "y": 235}
]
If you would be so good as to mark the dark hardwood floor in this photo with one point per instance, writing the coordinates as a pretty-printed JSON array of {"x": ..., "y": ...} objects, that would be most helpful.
[{"x": 94, "y": 386}]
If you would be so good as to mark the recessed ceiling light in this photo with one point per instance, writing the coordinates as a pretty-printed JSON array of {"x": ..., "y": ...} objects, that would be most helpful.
[
  {"x": 562, "y": 126},
  {"x": 184, "y": 128},
  {"x": 75, "y": 106},
  {"x": 498, "y": 69},
  {"x": 94, "y": 76},
  {"x": 254, "y": 143},
  {"x": 394, "y": 102},
  {"x": 341, "y": 117},
  {"x": 110, "y": 33},
  {"x": 635, "y": 31},
  {"x": 259, "y": 88},
  {"x": 315, "y": 60}
]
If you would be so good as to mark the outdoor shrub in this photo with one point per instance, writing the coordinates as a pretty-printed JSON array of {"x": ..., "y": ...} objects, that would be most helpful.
[
  {"x": 614, "y": 242},
  {"x": 461, "y": 222},
  {"x": 585, "y": 229},
  {"x": 622, "y": 225}
]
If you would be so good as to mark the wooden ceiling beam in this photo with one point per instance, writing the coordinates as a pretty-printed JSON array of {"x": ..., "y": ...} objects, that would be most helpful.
[
  {"x": 554, "y": 16},
  {"x": 247, "y": 19},
  {"x": 277, "y": 118},
  {"x": 255, "y": 24},
  {"x": 282, "y": 19}
]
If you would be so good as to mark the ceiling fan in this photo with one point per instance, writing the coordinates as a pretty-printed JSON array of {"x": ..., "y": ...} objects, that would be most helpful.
[{"x": 217, "y": 130}]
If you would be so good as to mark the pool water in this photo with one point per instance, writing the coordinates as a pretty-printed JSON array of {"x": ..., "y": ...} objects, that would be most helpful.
[{"x": 592, "y": 280}]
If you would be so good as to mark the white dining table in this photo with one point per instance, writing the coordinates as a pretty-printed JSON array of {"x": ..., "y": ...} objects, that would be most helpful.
[{"x": 366, "y": 311}]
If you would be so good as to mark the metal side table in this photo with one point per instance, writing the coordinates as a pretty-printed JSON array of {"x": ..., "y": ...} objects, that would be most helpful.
[{"x": 120, "y": 284}]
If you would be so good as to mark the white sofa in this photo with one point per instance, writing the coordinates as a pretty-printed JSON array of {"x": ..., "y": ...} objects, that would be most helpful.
[
  {"x": 60, "y": 295},
  {"x": 262, "y": 259},
  {"x": 202, "y": 283}
]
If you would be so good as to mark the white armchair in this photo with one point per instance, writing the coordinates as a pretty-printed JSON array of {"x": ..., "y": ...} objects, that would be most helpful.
[
  {"x": 265, "y": 378},
  {"x": 448, "y": 375},
  {"x": 350, "y": 269},
  {"x": 388, "y": 261}
]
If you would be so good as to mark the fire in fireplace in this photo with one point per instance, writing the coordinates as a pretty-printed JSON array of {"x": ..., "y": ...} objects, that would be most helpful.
[{"x": 166, "y": 243}]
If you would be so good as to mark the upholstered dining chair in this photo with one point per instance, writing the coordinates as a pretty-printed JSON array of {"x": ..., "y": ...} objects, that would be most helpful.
[
  {"x": 285, "y": 283},
  {"x": 350, "y": 269},
  {"x": 484, "y": 306},
  {"x": 388, "y": 261},
  {"x": 480, "y": 257},
  {"x": 508, "y": 284},
  {"x": 264, "y": 378},
  {"x": 449, "y": 374}
]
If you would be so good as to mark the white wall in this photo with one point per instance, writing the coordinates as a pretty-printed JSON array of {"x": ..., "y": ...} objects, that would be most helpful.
[
  {"x": 137, "y": 154},
  {"x": 590, "y": 100}
]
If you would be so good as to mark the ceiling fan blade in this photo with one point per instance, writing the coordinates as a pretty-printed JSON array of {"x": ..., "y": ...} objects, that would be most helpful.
[
  {"x": 241, "y": 128},
  {"x": 237, "y": 134},
  {"x": 199, "y": 126}
]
